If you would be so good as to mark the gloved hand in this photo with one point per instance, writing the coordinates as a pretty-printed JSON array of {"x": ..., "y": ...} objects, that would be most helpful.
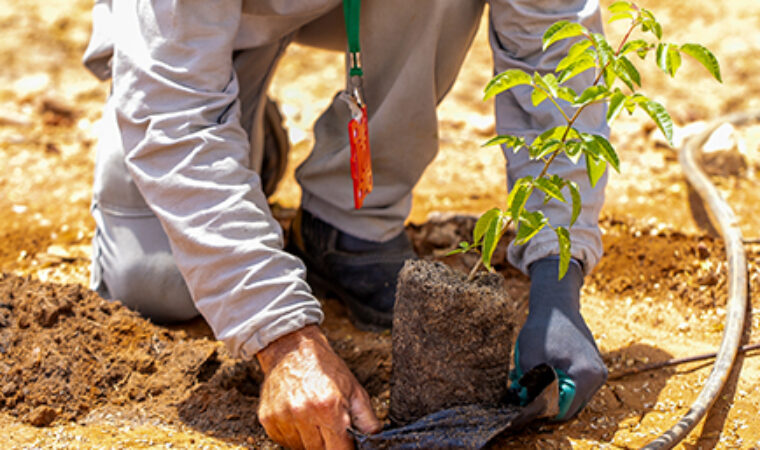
[{"x": 556, "y": 334}]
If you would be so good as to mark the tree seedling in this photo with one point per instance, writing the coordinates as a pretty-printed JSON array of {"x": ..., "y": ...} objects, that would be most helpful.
[{"x": 615, "y": 84}]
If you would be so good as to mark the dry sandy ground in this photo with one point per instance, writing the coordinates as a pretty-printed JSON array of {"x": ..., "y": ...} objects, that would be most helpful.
[{"x": 655, "y": 296}]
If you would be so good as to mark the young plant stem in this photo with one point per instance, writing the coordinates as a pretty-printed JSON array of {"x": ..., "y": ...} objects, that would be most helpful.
[
  {"x": 550, "y": 97},
  {"x": 571, "y": 121},
  {"x": 474, "y": 270}
]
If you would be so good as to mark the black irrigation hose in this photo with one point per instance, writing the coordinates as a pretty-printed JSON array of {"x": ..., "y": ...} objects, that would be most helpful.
[{"x": 722, "y": 216}]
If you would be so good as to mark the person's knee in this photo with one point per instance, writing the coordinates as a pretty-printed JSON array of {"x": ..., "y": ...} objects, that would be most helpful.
[{"x": 153, "y": 286}]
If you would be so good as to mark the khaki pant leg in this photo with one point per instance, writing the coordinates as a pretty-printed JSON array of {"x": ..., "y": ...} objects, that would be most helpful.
[{"x": 412, "y": 53}]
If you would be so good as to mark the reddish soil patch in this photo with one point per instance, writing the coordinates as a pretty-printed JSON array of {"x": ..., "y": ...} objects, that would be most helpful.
[
  {"x": 67, "y": 352},
  {"x": 662, "y": 263}
]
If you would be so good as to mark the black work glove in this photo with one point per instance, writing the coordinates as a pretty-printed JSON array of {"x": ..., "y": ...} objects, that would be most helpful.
[{"x": 556, "y": 334}]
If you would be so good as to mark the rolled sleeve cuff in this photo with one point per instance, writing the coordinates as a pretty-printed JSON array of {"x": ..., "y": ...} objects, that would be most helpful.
[
  {"x": 585, "y": 245},
  {"x": 288, "y": 323}
]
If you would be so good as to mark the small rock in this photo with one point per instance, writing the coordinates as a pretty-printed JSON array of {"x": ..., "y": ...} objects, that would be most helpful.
[
  {"x": 42, "y": 416},
  {"x": 709, "y": 279},
  {"x": 57, "y": 111},
  {"x": 702, "y": 251},
  {"x": 145, "y": 364},
  {"x": 9, "y": 389},
  {"x": 443, "y": 236}
]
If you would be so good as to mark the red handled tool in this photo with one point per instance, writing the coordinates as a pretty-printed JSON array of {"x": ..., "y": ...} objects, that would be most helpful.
[{"x": 358, "y": 129}]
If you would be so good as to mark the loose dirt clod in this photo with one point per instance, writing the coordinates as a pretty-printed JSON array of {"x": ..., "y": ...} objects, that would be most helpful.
[
  {"x": 451, "y": 341},
  {"x": 42, "y": 416}
]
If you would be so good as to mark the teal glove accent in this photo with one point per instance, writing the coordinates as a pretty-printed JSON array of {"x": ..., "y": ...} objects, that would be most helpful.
[
  {"x": 566, "y": 394},
  {"x": 515, "y": 375},
  {"x": 566, "y": 387}
]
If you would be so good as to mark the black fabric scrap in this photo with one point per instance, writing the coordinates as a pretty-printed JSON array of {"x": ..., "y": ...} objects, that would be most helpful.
[{"x": 472, "y": 426}]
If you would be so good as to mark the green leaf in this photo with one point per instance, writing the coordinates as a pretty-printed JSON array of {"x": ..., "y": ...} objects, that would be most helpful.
[
  {"x": 599, "y": 147},
  {"x": 483, "y": 223},
  {"x": 566, "y": 93},
  {"x": 621, "y": 16},
  {"x": 505, "y": 81},
  {"x": 634, "y": 46},
  {"x": 595, "y": 168},
  {"x": 573, "y": 151},
  {"x": 576, "y": 51},
  {"x": 673, "y": 59},
  {"x": 583, "y": 63},
  {"x": 575, "y": 195},
  {"x": 549, "y": 188},
  {"x": 657, "y": 30},
  {"x": 546, "y": 148},
  {"x": 617, "y": 102},
  {"x": 649, "y": 23},
  {"x": 590, "y": 146},
  {"x": 530, "y": 224},
  {"x": 609, "y": 75},
  {"x": 607, "y": 151},
  {"x": 547, "y": 82},
  {"x": 619, "y": 7},
  {"x": 509, "y": 141},
  {"x": 518, "y": 196},
  {"x": 660, "y": 116},
  {"x": 562, "y": 30},
  {"x": 704, "y": 57},
  {"x": 563, "y": 236},
  {"x": 668, "y": 58},
  {"x": 627, "y": 72},
  {"x": 632, "y": 101},
  {"x": 491, "y": 239},
  {"x": 558, "y": 181},
  {"x": 603, "y": 49},
  {"x": 557, "y": 133},
  {"x": 464, "y": 247},
  {"x": 538, "y": 96},
  {"x": 591, "y": 94}
]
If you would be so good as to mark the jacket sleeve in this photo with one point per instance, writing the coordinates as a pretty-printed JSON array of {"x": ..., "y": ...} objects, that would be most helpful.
[{"x": 178, "y": 116}]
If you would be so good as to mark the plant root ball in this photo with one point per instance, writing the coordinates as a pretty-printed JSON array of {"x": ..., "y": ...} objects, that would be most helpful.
[{"x": 451, "y": 340}]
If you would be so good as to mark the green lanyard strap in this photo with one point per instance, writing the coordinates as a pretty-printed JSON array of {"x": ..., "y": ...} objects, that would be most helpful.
[{"x": 351, "y": 13}]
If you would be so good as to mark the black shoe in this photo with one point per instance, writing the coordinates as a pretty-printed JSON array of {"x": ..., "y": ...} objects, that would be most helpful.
[
  {"x": 276, "y": 148},
  {"x": 361, "y": 274}
]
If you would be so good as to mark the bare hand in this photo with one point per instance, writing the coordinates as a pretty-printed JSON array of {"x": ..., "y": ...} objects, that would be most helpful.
[{"x": 309, "y": 397}]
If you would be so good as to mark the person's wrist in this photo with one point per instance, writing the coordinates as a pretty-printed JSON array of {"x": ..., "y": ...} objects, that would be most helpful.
[
  {"x": 271, "y": 355},
  {"x": 548, "y": 292}
]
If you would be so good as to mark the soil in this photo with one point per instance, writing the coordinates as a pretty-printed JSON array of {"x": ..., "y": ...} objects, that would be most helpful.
[
  {"x": 68, "y": 355},
  {"x": 659, "y": 292},
  {"x": 451, "y": 341}
]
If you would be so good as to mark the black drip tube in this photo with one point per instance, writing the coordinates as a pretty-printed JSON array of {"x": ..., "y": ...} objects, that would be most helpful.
[{"x": 727, "y": 225}]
